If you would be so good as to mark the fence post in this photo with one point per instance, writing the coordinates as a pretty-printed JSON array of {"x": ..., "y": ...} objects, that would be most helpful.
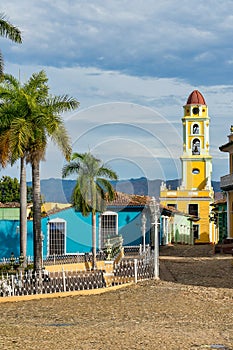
[
  {"x": 135, "y": 270},
  {"x": 12, "y": 285},
  {"x": 64, "y": 279}
]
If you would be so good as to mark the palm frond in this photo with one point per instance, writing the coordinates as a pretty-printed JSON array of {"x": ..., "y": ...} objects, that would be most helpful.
[
  {"x": 79, "y": 201},
  {"x": 10, "y": 82},
  {"x": 61, "y": 138},
  {"x": 8, "y": 30},
  {"x": 70, "y": 169},
  {"x": 37, "y": 86},
  {"x": 21, "y": 134},
  {"x": 5, "y": 153},
  {"x": 79, "y": 156},
  {"x": 60, "y": 104},
  {"x": 107, "y": 172},
  {"x": 107, "y": 188}
]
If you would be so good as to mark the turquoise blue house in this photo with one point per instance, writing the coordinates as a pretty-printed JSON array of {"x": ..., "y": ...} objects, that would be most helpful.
[
  {"x": 68, "y": 232},
  {"x": 65, "y": 231}
]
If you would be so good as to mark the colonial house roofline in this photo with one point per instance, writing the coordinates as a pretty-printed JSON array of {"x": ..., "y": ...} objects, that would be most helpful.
[{"x": 10, "y": 205}]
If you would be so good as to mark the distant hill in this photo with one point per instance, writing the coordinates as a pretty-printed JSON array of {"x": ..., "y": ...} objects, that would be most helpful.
[{"x": 60, "y": 191}]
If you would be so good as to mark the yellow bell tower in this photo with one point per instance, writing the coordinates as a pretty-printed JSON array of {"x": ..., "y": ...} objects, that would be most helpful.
[{"x": 195, "y": 194}]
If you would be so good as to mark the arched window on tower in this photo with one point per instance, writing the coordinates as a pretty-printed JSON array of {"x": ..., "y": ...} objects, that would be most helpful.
[
  {"x": 196, "y": 147},
  {"x": 195, "y": 129}
]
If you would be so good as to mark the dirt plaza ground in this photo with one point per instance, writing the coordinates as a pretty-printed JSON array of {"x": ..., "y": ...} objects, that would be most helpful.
[{"x": 190, "y": 307}]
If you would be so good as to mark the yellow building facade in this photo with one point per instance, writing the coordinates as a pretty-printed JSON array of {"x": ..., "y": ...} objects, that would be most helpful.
[
  {"x": 195, "y": 193},
  {"x": 227, "y": 183}
]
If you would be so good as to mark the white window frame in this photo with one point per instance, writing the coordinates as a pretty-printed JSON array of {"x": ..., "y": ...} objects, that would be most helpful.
[
  {"x": 57, "y": 221},
  {"x": 102, "y": 236}
]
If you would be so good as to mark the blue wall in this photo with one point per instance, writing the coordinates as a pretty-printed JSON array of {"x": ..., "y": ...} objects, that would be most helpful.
[
  {"x": 129, "y": 225},
  {"x": 9, "y": 238},
  {"x": 79, "y": 232}
]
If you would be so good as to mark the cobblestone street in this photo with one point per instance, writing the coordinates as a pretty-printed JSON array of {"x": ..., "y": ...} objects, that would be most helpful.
[{"x": 190, "y": 307}]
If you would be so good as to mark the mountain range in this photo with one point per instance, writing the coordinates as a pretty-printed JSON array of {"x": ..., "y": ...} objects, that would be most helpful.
[{"x": 60, "y": 191}]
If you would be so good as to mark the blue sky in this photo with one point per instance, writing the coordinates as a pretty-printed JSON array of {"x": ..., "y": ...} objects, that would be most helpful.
[{"x": 132, "y": 66}]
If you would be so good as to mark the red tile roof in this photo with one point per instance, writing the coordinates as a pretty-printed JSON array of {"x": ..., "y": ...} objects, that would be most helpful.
[
  {"x": 196, "y": 98},
  {"x": 123, "y": 199}
]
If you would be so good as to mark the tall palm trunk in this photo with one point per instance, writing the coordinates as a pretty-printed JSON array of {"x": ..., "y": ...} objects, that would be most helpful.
[
  {"x": 23, "y": 210},
  {"x": 37, "y": 216},
  {"x": 93, "y": 217}
]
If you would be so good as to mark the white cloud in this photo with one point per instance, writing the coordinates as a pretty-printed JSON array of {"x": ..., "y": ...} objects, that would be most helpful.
[
  {"x": 204, "y": 56},
  {"x": 122, "y": 129},
  {"x": 141, "y": 39},
  {"x": 134, "y": 65}
]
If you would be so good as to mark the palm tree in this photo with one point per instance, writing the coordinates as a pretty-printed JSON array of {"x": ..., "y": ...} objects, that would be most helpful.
[
  {"x": 47, "y": 123},
  {"x": 15, "y": 134},
  {"x": 92, "y": 188},
  {"x": 9, "y": 31},
  {"x": 31, "y": 116}
]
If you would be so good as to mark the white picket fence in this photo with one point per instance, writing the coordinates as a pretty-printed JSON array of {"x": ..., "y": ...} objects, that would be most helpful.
[
  {"x": 53, "y": 282},
  {"x": 65, "y": 281}
]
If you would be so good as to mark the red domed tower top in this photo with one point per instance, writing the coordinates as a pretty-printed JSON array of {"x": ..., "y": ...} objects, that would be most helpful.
[{"x": 196, "y": 98}]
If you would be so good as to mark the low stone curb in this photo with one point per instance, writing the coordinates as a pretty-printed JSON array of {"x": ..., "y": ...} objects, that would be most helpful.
[{"x": 64, "y": 294}]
